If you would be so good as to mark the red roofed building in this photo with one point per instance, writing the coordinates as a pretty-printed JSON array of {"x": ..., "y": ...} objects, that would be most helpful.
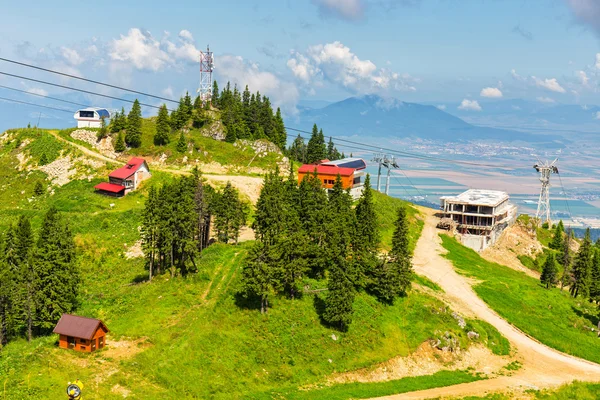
[
  {"x": 351, "y": 170},
  {"x": 80, "y": 333},
  {"x": 127, "y": 178}
]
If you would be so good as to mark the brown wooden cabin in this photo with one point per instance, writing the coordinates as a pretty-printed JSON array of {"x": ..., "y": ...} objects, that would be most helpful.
[{"x": 80, "y": 333}]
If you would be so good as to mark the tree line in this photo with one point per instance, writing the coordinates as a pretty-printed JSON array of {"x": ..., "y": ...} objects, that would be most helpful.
[
  {"x": 315, "y": 150},
  {"x": 581, "y": 271},
  {"x": 176, "y": 222},
  {"x": 301, "y": 231},
  {"x": 39, "y": 278}
]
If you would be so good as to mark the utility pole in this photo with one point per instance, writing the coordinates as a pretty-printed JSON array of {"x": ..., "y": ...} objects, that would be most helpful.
[
  {"x": 379, "y": 160},
  {"x": 206, "y": 69},
  {"x": 543, "y": 208}
]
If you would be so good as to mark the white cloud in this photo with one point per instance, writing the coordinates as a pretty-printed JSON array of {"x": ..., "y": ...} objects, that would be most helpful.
[
  {"x": 583, "y": 78},
  {"x": 186, "y": 35},
  {"x": 71, "y": 56},
  {"x": 144, "y": 52},
  {"x": 469, "y": 105},
  {"x": 549, "y": 84},
  {"x": 38, "y": 91},
  {"x": 336, "y": 63},
  {"x": 597, "y": 115},
  {"x": 168, "y": 92},
  {"x": 491, "y": 92},
  {"x": 546, "y": 100},
  {"x": 516, "y": 76},
  {"x": 441, "y": 107},
  {"x": 350, "y": 10},
  {"x": 238, "y": 71}
]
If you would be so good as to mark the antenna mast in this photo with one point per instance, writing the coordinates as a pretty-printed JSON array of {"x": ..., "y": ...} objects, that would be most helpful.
[
  {"x": 206, "y": 69},
  {"x": 545, "y": 170}
]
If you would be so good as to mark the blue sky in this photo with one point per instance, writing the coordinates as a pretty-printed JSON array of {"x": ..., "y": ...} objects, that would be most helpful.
[{"x": 467, "y": 51}]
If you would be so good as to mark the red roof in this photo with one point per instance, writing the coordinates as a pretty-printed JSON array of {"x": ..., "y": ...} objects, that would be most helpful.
[
  {"x": 326, "y": 170},
  {"x": 109, "y": 187},
  {"x": 76, "y": 326},
  {"x": 126, "y": 171}
]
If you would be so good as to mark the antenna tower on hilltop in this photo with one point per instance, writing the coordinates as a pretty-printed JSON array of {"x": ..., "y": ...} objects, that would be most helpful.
[
  {"x": 545, "y": 170},
  {"x": 206, "y": 69}
]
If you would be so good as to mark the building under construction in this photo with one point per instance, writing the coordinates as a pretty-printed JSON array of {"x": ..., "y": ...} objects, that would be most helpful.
[{"x": 479, "y": 216}]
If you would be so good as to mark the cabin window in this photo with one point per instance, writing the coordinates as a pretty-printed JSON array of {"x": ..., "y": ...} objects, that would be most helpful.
[
  {"x": 330, "y": 181},
  {"x": 81, "y": 347},
  {"x": 71, "y": 340},
  {"x": 356, "y": 180},
  {"x": 86, "y": 114},
  {"x": 101, "y": 342}
]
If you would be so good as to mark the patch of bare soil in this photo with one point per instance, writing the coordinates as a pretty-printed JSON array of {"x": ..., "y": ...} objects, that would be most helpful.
[
  {"x": 246, "y": 234},
  {"x": 118, "y": 389},
  {"x": 60, "y": 171},
  {"x": 427, "y": 360},
  {"x": 105, "y": 146},
  {"x": 515, "y": 241},
  {"x": 135, "y": 251},
  {"x": 248, "y": 185},
  {"x": 124, "y": 349}
]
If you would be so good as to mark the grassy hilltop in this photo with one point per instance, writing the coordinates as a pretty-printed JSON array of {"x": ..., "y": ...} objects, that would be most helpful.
[{"x": 187, "y": 337}]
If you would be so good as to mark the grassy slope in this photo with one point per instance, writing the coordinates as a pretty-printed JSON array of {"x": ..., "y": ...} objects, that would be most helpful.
[
  {"x": 550, "y": 316},
  {"x": 197, "y": 339}
]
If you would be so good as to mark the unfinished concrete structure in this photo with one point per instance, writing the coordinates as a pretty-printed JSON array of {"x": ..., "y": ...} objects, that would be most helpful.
[{"x": 480, "y": 216}]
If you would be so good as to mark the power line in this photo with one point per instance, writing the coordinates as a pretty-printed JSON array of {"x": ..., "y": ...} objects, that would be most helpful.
[
  {"x": 86, "y": 80},
  {"x": 565, "y": 193},
  {"x": 43, "y": 95},
  {"x": 77, "y": 89},
  {"x": 36, "y": 105}
]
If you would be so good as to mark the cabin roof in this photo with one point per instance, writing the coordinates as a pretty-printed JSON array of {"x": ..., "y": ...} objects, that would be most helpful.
[
  {"x": 102, "y": 112},
  {"x": 129, "y": 169},
  {"x": 76, "y": 326},
  {"x": 344, "y": 167},
  {"x": 478, "y": 197},
  {"x": 109, "y": 187}
]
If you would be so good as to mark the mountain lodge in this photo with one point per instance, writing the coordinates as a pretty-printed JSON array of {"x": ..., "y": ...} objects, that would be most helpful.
[
  {"x": 349, "y": 169},
  {"x": 80, "y": 333},
  {"x": 91, "y": 117},
  {"x": 125, "y": 179}
]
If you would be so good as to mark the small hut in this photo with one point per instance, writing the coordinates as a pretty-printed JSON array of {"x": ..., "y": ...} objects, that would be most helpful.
[{"x": 80, "y": 333}]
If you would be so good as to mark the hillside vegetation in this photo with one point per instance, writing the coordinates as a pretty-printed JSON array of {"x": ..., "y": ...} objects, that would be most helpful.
[{"x": 192, "y": 335}]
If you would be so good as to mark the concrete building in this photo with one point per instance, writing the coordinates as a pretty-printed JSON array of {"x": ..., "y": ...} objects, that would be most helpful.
[
  {"x": 480, "y": 216},
  {"x": 91, "y": 117}
]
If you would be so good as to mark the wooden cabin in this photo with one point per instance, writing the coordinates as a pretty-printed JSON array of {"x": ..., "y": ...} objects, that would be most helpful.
[
  {"x": 125, "y": 179},
  {"x": 80, "y": 333},
  {"x": 350, "y": 170}
]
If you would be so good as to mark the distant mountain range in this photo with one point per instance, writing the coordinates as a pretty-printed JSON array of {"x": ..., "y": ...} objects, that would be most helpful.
[{"x": 374, "y": 116}]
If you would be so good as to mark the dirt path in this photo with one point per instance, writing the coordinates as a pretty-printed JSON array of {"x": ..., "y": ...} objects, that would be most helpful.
[
  {"x": 543, "y": 367},
  {"x": 83, "y": 149}
]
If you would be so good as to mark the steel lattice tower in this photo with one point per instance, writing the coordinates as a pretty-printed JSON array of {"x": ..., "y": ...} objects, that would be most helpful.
[
  {"x": 206, "y": 69},
  {"x": 545, "y": 169}
]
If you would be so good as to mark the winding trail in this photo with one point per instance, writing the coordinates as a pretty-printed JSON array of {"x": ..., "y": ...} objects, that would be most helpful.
[{"x": 542, "y": 366}]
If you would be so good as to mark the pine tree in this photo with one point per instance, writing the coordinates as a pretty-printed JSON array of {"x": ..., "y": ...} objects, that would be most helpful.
[
  {"x": 297, "y": 150},
  {"x": 133, "y": 137},
  {"x": 566, "y": 260},
  {"x": 215, "y": 94},
  {"x": 38, "y": 190},
  {"x": 198, "y": 103},
  {"x": 259, "y": 277},
  {"x": 582, "y": 268},
  {"x": 549, "y": 271},
  {"x": 268, "y": 224},
  {"x": 229, "y": 213},
  {"x": 120, "y": 143},
  {"x": 595, "y": 277},
  {"x": 181, "y": 143},
  {"x": 230, "y": 136},
  {"x": 312, "y": 208},
  {"x": 103, "y": 132},
  {"x": 150, "y": 229},
  {"x": 393, "y": 277},
  {"x": 332, "y": 152},
  {"x": 187, "y": 107},
  {"x": 340, "y": 298},
  {"x": 162, "y": 127},
  {"x": 280, "y": 138},
  {"x": 43, "y": 159},
  {"x": 56, "y": 273},
  {"x": 6, "y": 290},
  {"x": 24, "y": 273},
  {"x": 119, "y": 122},
  {"x": 366, "y": 233},
  {"x": 316, "y": 149},
  {"x": 557, "y": 240}
]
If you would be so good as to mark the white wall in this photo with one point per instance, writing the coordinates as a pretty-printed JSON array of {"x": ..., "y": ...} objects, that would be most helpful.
[{"x": 88, "y": 124}]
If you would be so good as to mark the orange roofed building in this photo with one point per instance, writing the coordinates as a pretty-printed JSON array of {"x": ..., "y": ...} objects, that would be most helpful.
[
  {"x": 80, "y": 333},
  {"x": 351, "y": 170}
]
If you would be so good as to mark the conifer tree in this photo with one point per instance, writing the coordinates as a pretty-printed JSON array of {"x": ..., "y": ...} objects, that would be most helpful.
[
  {"x": 57, "y": 276},
  {"x": 198, "y": 103},
  {"x": 103, "y": 132},
  {"x": 25, "y": 274},
  {"x": 582, "y": 268},
  {"x": 187, "y": 107},
  {"x": 6, "y": 290},
  {"x": 566, "y": 260},
  {"x": 43, "y": 159},
  {"x": 595, "y": 277},
  {"x": 230, "y": 214},
  {"x": 312, "y": 208},
  {"x": 280, "y": 138},
  {"x": 215, "y": 94},
  {"x": 340, "y": 298},
  {"x": 181, "y": 143},
  {"x": 316, "y": 149},
  {"x": 268, "y": 223},
  {"x": 549, "y": 271},
  {"x": 150, "y": 229},
  {"x": 557, "y": 240},
  {"x": 119, "y": 145},
  {"x": 163, "y": 127},
  {"x": 259, "y": 277},
  {"x": 393, "y": 277},
  {"x": 202, "y": 198},
  {"x": 297, "y": 150},
  {"x": 230, "y": 136},
  {"x": 118, "y": 122},
  {"x": 38, "y": 190},
  {"x": 366, "y": 233},
  {"x": 133, "y": 138}
]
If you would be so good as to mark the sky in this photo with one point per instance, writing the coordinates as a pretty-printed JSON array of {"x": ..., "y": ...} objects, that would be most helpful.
[{"x": 302, "y": 51}]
